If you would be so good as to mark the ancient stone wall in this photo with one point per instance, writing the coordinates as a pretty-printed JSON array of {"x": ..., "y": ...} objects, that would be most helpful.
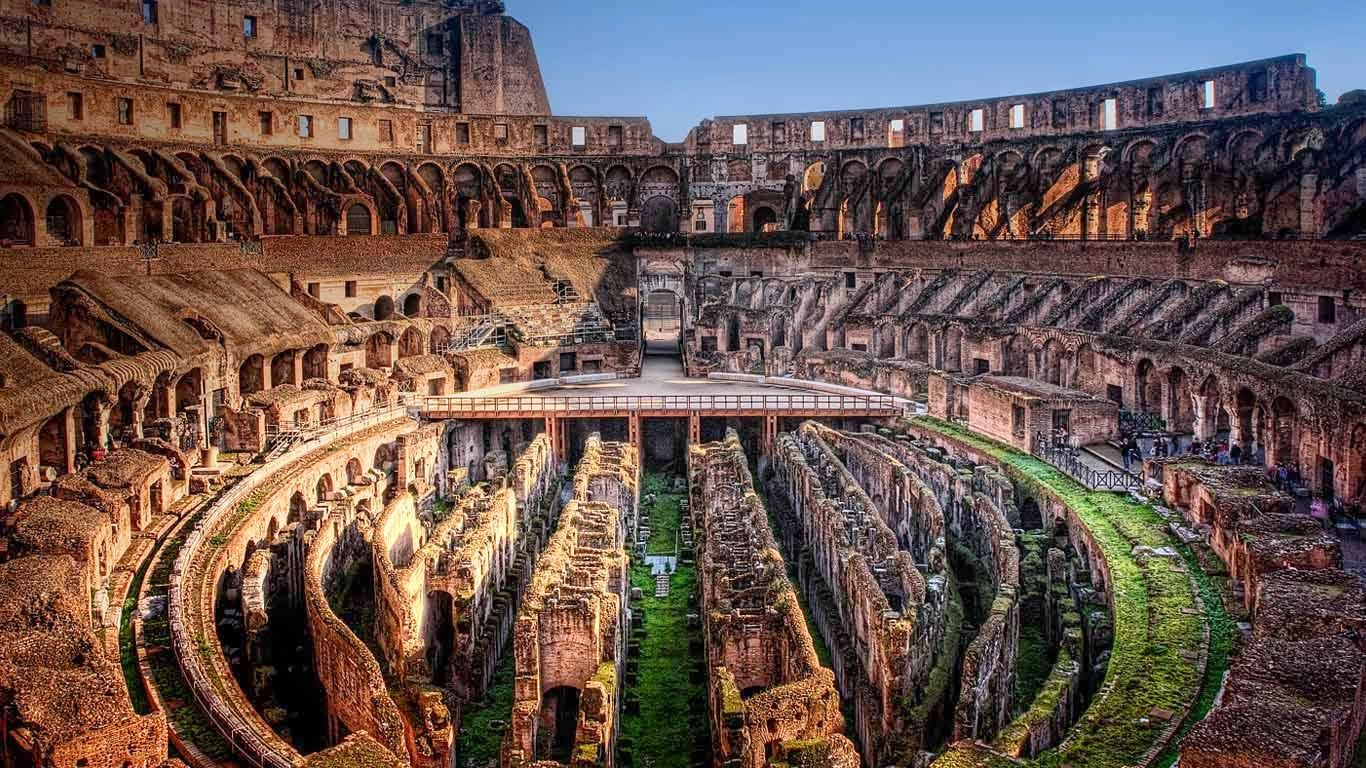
[
  {"x": 570, "y": 634},
  {"x": 771, "y": 699}
]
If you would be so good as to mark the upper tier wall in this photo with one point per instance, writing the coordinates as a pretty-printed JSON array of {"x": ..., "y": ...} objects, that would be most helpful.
[{"x": 1268, "y": 86}]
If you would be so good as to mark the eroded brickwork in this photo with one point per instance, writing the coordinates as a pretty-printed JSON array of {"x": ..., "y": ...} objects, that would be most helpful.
[{"x": 772, "y": 702}]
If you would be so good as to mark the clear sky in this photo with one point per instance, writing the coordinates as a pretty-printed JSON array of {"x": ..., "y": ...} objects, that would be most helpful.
[{"x": 679, "y": 61}]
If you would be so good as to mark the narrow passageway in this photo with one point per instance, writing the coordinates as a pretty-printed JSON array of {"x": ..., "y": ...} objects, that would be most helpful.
[{"x": 664, "y": 720}]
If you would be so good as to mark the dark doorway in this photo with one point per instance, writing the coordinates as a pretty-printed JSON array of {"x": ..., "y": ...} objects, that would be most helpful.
[{"x": 560, "y": 715}]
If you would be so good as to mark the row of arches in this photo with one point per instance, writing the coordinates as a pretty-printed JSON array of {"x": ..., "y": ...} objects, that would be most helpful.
[{"x": 62, "y": 222}]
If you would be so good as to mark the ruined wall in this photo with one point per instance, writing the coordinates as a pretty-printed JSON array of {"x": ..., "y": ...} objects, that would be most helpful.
[
  {"x": 571, "y": 628},
  {"x": 356, "y": 693},
  {"x": 771, "y": 700}
]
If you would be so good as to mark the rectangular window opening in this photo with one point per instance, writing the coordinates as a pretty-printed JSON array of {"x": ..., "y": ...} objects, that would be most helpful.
[
  {"x": 500, "y": 132},
  {"x": 344, "y": 128},
  {"x": 739, "y": 135},
  {"x": 386, "y": 131},
  {"x": 615, "y": 136},
  {"x": 1017, "y": 116},
  {"x": 856, "y": 129},
  {"x": 1207, "y": 95},
  {"x": 75, "y": 106},
  {"x": 267, "y": 123},
  {"x": 818, "y": 130},
  {"x": 149, "y": 11},
  {"x": 462, "y": 133},
  {"x": 1155, "y": 101},
  {"x": 126, "y": 111},
  {"x": 174, "y": 114},
  {"x": 248, "y": 26},
  {"x": 896, "y": 133},
  {"x": 977, "y": 120},
  {"x": 350, "y": 289},
  {"x": 1328, "y": 310},
  {"x": 579, "y": 136},
  {"x": 305, "y": 126},
  {"x": 1109, "y": 114}
]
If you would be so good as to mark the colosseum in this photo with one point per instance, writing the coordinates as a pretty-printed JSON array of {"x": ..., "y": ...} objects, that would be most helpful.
[{"x": 357, "y": 410}]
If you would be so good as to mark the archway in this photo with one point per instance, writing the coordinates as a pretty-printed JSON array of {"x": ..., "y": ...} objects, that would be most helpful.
[
  {"x": 282, "y": 369},
  {"x": 659, "y": 215},
  {"x": 323, "y": 488},
  {"x": 379, "y": 351},
  {"x": 559, "y": 716},
  {"x": 384, "y": 307},
  {"x": 298, "y": 507},
  {"x": 765, "y": 219},
  {"x": 1284, "y": 421},
  {"x": 918, "y": 343},
  {"x": 358, "y": 220},
  {"x": 410, "y": 343},
  {"x": 412, "y": 305},
  {"x": 251, "y": 376},
  {"x": 439, "y": 340},
  {"x": 315, "y": 363},
  {"x": 63, "y": 221},
  {"x": 353, "y": 472},
  {"x": 16, "y": 220},
  {"x": 663, "y": 323}
]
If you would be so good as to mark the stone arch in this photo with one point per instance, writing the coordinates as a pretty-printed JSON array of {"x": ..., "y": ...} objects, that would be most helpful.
[
  {"x": 411, "y": 343},
  {"x": 1209, "y": 405},
  {"x": 315, "y": 362},
  {"x": 918, "y": 342},
  {"x": 251, "y": 375},
  {"x": 298, "y": 508},
  {"x": 1050, "y": 368},
  {"x": 322, "y": 490},
  {"x": 1284, "y": 430},
  {"x": 384, "y": 307},
  {"x": 16, "y": 219},
  {"x": 379, "y": 350},
  {"x": 660, "y": 175},
  {"x": 438, "y": 340},
  {"x": 953, "y": 349},
  {"x": 813, "y": 177},
  {"x": 659, "y": 214},
  {"x": 354, "y": 471},
  {"x": 63, "y": 220},
  {"x": 412, "y": 305},
  {"x": 360, "y": 219},
  {"x": 282, "y": 368}
]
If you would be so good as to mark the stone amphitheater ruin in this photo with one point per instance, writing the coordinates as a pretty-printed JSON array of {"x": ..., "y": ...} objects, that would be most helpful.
[{"x": 355, "y": 410}]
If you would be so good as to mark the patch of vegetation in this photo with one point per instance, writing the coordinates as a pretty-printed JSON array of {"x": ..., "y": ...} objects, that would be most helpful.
[
  {"x": 1156, "y": 627},
  {"x": 1032, "y": 666},
  {"x": 672, "y": 716},
  {"x": 665, "y": 513},
  {"x": 484, "y": 723}
]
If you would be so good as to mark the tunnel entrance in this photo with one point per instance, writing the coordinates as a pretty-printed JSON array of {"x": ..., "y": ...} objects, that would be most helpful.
[
  {"x": 663, "y": 323},
  {"x": 665, "y": 448},
  {"x": 559, "y": 721}
]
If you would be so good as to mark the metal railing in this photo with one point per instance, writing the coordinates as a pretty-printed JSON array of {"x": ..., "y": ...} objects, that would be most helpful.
[
  {"x": 242, "y": 731},
  {"x": 1068, "y": 459},
  {"x": 523, "y": 404}
]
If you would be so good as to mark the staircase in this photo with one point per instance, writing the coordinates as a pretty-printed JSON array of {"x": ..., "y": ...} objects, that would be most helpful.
[{"x": 490, "y": 331}]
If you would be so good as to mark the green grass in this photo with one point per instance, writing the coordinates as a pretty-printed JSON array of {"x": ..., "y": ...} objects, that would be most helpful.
[
  {"x": 1149, "y": 602},
  {"x": 665, "y": 514},
  {"x": 674, "y": 712},
  {"x": 1032, "y": 666},
  {"x": 128, "y": 651},
  {"x": 190, "y": 721},
  {"x": 484, "y": 723}
]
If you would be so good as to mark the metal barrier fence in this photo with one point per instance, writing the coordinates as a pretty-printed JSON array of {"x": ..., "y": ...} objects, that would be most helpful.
[
  {"x": 245, "y": 739},
  {"x": 681, "y": 403},
  {"x": 1068, "y": 460}
]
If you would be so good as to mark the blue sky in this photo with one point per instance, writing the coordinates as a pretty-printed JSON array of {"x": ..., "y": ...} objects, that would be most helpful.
[{"x": 679, "y": 61}]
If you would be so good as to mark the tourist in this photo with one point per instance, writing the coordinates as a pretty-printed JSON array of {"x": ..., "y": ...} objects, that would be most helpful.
[{"x": 1236, "y": 454}]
